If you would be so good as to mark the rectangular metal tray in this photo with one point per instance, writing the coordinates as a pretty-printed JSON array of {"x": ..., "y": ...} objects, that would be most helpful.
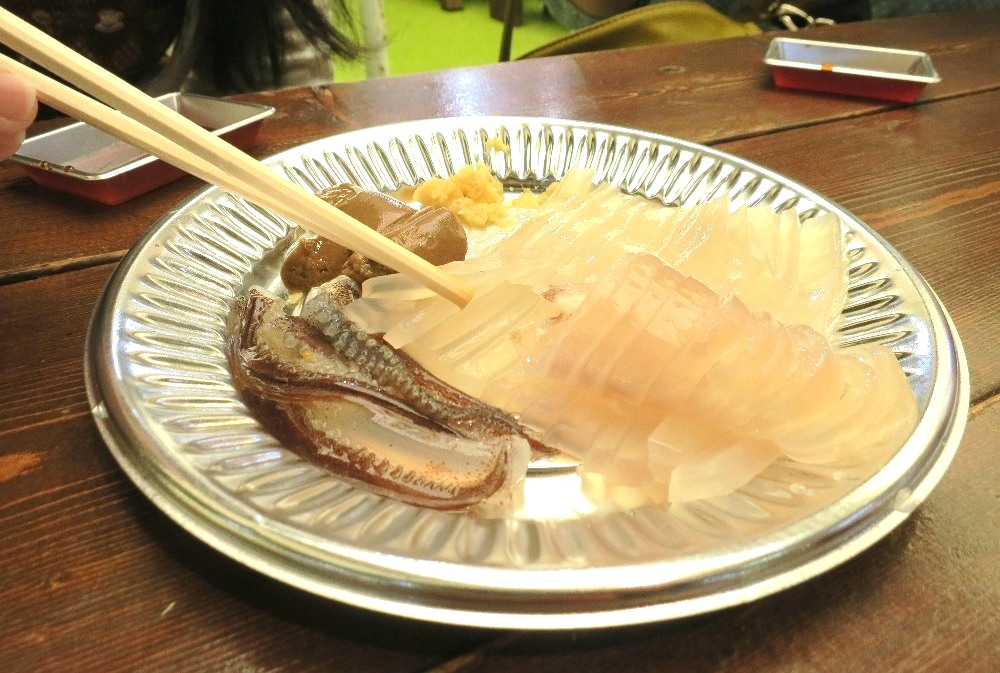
[
  {"x": 82, "y": 160},
  {"x": 852, "y": 69}
]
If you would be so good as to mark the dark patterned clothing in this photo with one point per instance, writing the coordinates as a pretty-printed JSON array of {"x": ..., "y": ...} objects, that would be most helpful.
[
  {"x": 147, "y": 42},
  {"x": 128, "y": 37}
]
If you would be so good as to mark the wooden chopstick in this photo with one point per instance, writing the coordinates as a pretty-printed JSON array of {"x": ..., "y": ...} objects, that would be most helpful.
[
  {"x": 152, "y": 126},
  {"x": 113, "y": 122}
]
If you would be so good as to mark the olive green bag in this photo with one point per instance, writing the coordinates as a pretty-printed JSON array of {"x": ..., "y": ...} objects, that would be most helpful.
[{"x": 661, "y": 23}]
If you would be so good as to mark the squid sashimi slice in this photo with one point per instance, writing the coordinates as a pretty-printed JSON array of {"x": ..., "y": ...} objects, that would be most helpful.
[
  {"x": 487, "y": 337},
  {"x": 607, "y": 434},
  {"x": 893, "y": 424},
  {"x": 764, "y": 229},
  {"x": 665, "y": 319},
  {"x": 861, "y": 423},
  {"x": 628, "y": 304},
  {"x": 688, "y": 230},
  {"x": 767, "y": 260},
  {"x": 589, "y": 346},
  {"x": 402, "y": 310},
  {"x": 822, "y": 287},
  {"x": 599, "y": 246},
  {"x": 733, "y": 388},
  {"x": 710, "y": 340},
  {"x": 383, "y": 315},
  {"x": 478, "y": 272},
  {"x": 574, "y": 185},
  {"x": 671, "y": 457},
  {"x": 721, "y": 471},
  {"x": 643, "y": 227},
  {"x": 701, "y": 460},
  {"x": 815, "y": 386},
  {"x": 798, "y": 273},
  {"x": 788, "y": 253},
  {"x": 552, "y": 230},
  {"x": 717, "y": 262},
  {"x": 632, "y": 234},
  {"x": 422, "y": 317},
  {"x": 820, "y": 441},
  {"x": 761, "y": 285},
  {"x": 647, "y": 224}
]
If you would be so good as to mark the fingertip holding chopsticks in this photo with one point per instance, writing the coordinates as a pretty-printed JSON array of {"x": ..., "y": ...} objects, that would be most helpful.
[{"x": 121, "y": 110}]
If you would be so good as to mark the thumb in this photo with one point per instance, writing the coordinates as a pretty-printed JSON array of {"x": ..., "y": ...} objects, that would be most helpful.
[{"x": 18, "y": 104}]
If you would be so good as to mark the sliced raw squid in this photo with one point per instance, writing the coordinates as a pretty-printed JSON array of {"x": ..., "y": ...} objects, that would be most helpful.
[{"x": 659, "y": 384}]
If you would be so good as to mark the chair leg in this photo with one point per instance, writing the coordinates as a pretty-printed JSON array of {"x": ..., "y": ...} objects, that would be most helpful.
[
  {"x": 451, "y": 5},
  {"x": 498, "y": 11},
  {"x": 511, "y": 16}
]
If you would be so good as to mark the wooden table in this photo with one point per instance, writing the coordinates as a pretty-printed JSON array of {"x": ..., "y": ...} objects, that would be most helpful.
[{"x": 93, "y": 577}]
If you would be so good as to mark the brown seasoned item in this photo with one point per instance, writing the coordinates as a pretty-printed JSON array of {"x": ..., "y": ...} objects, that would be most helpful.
[
  {"x": 375, "y": 209},
  {"x": 434, "y": 234},
  {"x": 312, "y": 262}
]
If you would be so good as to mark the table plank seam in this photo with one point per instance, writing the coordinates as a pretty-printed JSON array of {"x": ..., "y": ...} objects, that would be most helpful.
[
  {"x": 851, "y": 116},
  {"x": 977, "y": 407},
  {"x": 56, "y": 268}
]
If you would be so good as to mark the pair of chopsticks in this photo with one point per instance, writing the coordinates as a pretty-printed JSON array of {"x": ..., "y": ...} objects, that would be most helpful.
[{"x": 131, "y": 115}]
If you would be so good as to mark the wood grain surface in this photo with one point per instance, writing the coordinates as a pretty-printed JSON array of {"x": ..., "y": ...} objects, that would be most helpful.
[{"x": 93, "y": 577}]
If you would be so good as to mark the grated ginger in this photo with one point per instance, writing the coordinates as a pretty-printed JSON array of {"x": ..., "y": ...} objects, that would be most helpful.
[
  {"x": 498, "y": 145},
  {"x": 530, "y": 199},
  {"x": 474, "y": 194}
]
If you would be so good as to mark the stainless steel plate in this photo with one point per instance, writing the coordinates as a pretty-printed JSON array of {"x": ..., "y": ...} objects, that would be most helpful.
[{"x": 163, "y": 399}]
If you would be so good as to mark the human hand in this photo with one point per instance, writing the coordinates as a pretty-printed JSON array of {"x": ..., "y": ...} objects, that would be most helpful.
[{"x": 18, "y": 106}]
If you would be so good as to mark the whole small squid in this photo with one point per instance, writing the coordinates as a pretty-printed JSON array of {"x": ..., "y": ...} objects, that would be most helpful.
[{"x": 348, "y": 402}]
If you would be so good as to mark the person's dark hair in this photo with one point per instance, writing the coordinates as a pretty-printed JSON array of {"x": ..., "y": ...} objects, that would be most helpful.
[{"x": 243, "y": 44}]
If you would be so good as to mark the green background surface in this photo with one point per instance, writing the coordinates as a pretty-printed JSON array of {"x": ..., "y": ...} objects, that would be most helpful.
[{"x": 422, "y": 37}]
